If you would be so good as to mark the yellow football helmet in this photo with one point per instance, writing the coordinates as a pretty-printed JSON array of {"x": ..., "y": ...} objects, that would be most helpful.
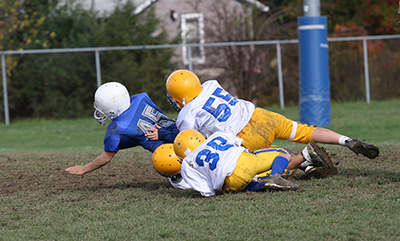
[
  {"x": 186, "y": 141},
  {"x": 165, "y": 161},
  {"x": 182, "y": 87}
]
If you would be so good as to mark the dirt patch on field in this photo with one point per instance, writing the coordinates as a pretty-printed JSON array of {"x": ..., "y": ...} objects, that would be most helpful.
[
  {"x": 44, "y": 171},
  {"x": 28, "y": 171}
]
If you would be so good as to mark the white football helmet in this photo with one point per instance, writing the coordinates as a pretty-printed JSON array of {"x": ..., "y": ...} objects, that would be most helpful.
[{"x": 110, "y": 100}]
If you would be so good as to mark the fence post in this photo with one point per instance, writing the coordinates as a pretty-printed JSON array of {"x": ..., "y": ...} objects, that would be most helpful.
[
  {"x": 98, "y": 68},
  {"x": 5, "y": 92},
  {"x": 280, "y": 79},
  {"x": 366, "y": 70}
]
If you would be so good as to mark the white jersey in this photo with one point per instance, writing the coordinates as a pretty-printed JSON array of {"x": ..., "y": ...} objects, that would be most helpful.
[
  {"x": 214, "y": 110},
  {"x": 180, "y": 183},
  {"x": 205, "y": 168}
]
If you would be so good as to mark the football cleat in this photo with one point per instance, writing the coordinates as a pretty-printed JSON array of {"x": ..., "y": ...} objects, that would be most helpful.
[
  {"x": 360, "y": 147},
  {"x": 277, "y": 182},
  {"x": 318, "y": 156}
]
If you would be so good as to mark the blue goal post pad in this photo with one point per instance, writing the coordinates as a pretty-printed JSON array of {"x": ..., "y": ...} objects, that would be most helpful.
[{"x": 314, "y": 83}]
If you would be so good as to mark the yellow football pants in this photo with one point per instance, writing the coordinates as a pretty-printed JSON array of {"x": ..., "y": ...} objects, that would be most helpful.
[
  {"x": 265, "y": 126},
  {"x": 251, "y": 164}
]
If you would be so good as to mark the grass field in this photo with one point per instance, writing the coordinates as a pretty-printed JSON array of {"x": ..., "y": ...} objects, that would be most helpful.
[{"x": 128, "y": 200}]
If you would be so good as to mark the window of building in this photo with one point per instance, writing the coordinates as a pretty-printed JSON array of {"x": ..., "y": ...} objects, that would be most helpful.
[{"x": 192, "y": 26}]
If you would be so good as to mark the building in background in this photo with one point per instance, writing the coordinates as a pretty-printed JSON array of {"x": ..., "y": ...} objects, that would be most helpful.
[{"x": 183, "y": 19}]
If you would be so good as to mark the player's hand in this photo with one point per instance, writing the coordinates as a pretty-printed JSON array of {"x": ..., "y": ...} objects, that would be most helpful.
[
  {"x": 76, "y": 170},
  {"x": 153, "y": 135}
]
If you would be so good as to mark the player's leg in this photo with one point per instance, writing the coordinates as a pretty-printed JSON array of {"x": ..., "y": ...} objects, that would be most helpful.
[
  {"x": 265, "y": 126},
  {"x": 249, "y": 165},
  {"x": 275, "y": 180},
  {"x": 258, "y": 180},
  {"x": 244, "y": 172},
  {"x": 322, "y": 135},
  {"x": 258, "y": 134},
  {"x": 286, "y": 129},
  {"x": 314, "y": 161}
]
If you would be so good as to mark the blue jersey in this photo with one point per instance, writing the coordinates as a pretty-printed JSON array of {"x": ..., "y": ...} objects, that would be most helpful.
[{"x": 129, "y": 128}]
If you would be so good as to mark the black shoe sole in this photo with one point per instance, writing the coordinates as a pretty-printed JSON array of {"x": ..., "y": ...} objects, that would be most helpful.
[{"x": 366, "y": 149}]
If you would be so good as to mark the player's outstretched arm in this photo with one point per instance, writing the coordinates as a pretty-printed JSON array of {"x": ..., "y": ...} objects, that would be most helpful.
[{"x": 100, "y": 161}]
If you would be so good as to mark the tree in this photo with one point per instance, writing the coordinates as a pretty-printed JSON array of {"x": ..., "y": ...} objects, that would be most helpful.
[
  {"x": 63, "y": 85},
  {"x": 248, "y": 69},
  {"x": 18, "y": 27},
  {"x": 361, "y": 18},
  {"x": 139, "y": 70},
  {"x": 250, "y": 72}
]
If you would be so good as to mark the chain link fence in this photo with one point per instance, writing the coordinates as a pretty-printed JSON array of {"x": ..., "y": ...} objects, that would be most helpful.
[{"x": 188, "y": 47}]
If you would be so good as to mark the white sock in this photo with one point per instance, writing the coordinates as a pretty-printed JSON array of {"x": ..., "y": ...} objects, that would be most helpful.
[
  {"x": 342, "y": 140},
  {"x": 305, "y": 154}
]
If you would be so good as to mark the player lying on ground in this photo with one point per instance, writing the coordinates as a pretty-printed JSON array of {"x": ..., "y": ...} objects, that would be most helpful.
[
  {"x": 133, "y": 120},
  {"x": 221, "y": 162},
  {"x": 208, "y": 108}
]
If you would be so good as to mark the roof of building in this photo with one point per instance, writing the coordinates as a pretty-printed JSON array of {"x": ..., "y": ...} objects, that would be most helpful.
[{"x": 106, "y": 5}]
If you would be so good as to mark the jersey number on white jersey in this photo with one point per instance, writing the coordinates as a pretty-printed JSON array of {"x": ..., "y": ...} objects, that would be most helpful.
[
  {"x": 211, "y": 157},
  {"x": 223, "y": 111}
]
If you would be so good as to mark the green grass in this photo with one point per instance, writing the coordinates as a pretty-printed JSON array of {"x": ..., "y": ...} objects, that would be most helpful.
[
  {"x": 81, "y": 134},
  {"x": 127, "y": 200},
  {"x": 376, "y": 122}
]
